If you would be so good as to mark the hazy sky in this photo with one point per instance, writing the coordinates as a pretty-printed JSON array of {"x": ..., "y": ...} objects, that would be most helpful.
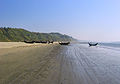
[{"x": 97, "y": 20}]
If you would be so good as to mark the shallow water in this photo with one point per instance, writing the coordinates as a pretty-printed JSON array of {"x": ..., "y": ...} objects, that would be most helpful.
[{"x": 113, "y": 45}]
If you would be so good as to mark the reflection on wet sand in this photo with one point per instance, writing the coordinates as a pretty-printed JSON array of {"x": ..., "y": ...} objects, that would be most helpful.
[{"x": 80, "y": 64}]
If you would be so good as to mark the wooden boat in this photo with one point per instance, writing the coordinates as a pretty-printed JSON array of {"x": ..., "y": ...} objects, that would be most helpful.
[
  {"x": 44, "y": 42},
  {"x": 93, "y": 44},
  {"x": 29, "y": 42},
  {"x": 37, "y": 41},
  {"x": 40, "y": 41},
  {"x": 64, "y": 43},
  {"x": 50, "y": 42}
]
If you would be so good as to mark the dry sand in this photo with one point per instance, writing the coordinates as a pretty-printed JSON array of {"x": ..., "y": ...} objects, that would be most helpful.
[
  {"x": 22, "y": 63},
  {"x": 16, "y": 44}
]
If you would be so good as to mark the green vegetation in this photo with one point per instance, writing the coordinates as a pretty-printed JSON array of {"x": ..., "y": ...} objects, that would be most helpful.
[{"x": 15, "y": 35}]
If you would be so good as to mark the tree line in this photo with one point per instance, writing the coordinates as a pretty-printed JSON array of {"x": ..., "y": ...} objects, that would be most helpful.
[{"x": 8, "y": 34}]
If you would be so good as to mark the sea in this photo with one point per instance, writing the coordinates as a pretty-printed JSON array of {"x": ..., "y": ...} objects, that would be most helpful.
[
  {"x": 101, "y": 44},
  {"x": 116, "y": 45}
]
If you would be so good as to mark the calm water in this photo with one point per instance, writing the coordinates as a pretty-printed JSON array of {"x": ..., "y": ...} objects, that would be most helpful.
[
  {"x": 114, "y": 46},
  {"x": 117, "y": 45}
]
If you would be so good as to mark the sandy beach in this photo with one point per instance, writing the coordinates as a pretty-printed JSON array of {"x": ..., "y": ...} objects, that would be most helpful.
[
  {"x": 16, "y": 44},
  {"x": 22, "y": 63},
  {"x": 56, "y": 64}
]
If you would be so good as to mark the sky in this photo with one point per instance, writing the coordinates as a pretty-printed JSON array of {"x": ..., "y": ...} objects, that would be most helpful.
[{"x": 94, "y": 20}]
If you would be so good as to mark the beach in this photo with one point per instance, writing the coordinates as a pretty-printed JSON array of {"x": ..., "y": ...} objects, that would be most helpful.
[
  {"x": 59, "y": 64},
  {"x": 24, "y": 63}
]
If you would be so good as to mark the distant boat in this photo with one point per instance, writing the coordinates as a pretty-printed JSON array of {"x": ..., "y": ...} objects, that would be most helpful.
[
  {"x": 44, "y": 42},
  {"x": 29, "y": 42},
  {"x": 37, "y": 41},
  {"x": 50, "y": 42},
  {"x": 92, "y": 44},
  {"x": 64, "y": 43}
]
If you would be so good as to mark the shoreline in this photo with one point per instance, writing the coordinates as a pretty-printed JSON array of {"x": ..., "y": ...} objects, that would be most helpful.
[{"x": 19, "y": 44}]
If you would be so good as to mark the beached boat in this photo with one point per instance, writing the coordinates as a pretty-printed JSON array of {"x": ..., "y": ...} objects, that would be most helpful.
[
  {"x": 93, "y": 44},
  {"x": 29, "y": 42},
  {"x": 64, "y": 43}
]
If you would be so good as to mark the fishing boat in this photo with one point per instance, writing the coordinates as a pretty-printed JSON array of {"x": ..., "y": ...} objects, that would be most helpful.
[
  {"x": 64, "y": 43},
  {"x": 29, "y": 42},
  {"x": 92, "y": 44}
]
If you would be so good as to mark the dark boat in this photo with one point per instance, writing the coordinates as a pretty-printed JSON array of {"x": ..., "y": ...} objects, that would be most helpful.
[
  {"x": 40, "y": 41},
  {"x": 64, "y": 43},
  {"x": 44, "y": 42},
  {"x": 29, "y": 42},
  {"x": 37, "y": 41},
  {"x": 50, "y": 42},
  {"x": 93, "y": 44}
]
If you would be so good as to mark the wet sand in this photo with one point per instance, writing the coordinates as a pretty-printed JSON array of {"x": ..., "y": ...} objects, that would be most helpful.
[
  {"x": 80, "y": 64},
  {"x": 56, "y": 64}
]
